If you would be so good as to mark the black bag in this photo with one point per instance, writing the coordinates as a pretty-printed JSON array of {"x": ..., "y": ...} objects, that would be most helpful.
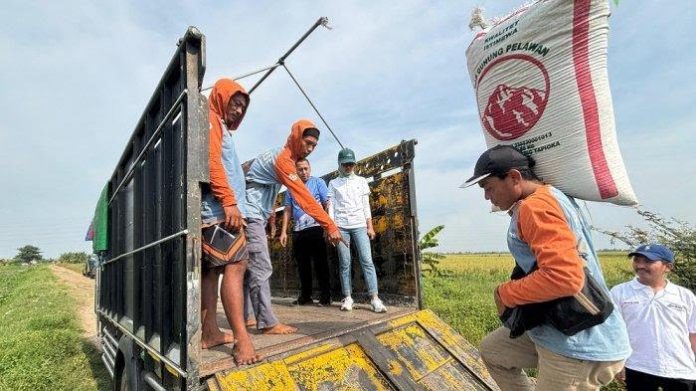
[{"x": 569, "y": 315}]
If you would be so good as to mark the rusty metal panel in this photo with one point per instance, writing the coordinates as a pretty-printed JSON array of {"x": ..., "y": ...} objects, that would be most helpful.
[
  {"x": 346, "y": 368},
  {"x": 411, "y": 352},
  {"x": 272, "y": 376},
  {"x": 394, "y": 250},
  {"x": 428, "y": 363}
]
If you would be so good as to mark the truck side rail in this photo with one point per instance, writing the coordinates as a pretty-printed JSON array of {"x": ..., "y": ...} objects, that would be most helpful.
[{"x": 149, "y": 281}]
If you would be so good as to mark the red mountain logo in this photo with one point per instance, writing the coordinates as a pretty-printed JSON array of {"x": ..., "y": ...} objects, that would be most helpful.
[
  {"x": 511, "y": 94},
  {"x": 511, "y": 112}
]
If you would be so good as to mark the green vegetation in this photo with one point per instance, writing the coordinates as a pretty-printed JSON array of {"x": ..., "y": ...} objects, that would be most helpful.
[
  {"x": 28, "y": 253},
  {"x": 678, "y": 235},
  {"x": 431, "y": 259},
  {"x": 73, "y": 257},
  {"x": 41, "y": 347}
]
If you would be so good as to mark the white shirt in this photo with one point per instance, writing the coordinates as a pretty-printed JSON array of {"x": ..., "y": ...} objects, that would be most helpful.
[
  {"x": 349, "y": 202},
  {"x": 659, "y": 325}
]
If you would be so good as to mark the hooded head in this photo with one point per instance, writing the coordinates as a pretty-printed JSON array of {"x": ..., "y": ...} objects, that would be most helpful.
[
  {"x": 228, "y": 101},
  {"x": 304, "y": 136}
]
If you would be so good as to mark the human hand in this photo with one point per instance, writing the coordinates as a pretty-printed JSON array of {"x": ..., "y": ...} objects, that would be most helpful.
[
  {"x": 498, "y": 302},
  {"x": 371, "y": 233},
  {"x": 335, "y": 238},
  {"x": 283, "y": 239},
  {"x": 233, "y": 218}
]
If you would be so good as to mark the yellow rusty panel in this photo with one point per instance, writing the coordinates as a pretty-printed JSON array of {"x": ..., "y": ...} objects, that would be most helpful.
[
  {"x": 271, "y": 376},
  {"x": 451, "y": 376},
  {"x": 403, "y": 320},
  {"x": 454, "y": 342},
  {"x": 415, "y": 349},
  {"x": 347, "y": 368},
  {"x": 315, "y": 351}
]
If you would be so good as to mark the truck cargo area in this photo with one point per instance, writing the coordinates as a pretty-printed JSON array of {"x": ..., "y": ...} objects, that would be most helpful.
[
  {"x": 314, "y": 324},
  {"x": 148, "y": 284},
  {"x": 414, "y": 350}
]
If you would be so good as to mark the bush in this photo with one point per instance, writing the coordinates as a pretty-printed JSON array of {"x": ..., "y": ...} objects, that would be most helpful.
[
  {"x": 678, "y": 235},
  {"x": 76, "y": 257}
]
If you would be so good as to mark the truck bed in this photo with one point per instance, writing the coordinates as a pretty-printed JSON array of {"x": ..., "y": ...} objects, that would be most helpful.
[
  {"x": 314, "y": 324},
  {"x": 405, "y": 349}
]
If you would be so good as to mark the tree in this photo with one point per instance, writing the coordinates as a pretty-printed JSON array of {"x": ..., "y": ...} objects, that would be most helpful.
[
  {"x": 431, "y": 259},
  {"x": 678, "y": 235},
  {"x": 74, "y": 257},
  {"x": 28, "y": 253}
]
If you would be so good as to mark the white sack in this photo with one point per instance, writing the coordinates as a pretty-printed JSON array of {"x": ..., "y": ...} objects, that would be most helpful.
[{"x": 541, "y": 84}]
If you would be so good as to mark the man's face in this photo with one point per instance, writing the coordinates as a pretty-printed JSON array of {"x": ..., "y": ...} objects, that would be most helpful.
[
  {"x": 502, "y": 193},
  {"x": 649, "y": 272},
  {"x": 303, "y": 170},
  {"x": 348, "y": 167},
  {"x": 308, "y": 145},
  {"x": 236, "y": 108}
]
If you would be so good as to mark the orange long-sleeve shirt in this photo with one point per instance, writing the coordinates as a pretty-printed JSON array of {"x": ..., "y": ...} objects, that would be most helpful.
[
  {"x": 222, "y": 92},
  {"x": 542, "y": 225},
  {"x": 287, "y": 174}
]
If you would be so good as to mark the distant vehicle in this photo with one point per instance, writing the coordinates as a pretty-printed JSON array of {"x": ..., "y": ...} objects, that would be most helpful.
[{"x": 90, "y": 266}]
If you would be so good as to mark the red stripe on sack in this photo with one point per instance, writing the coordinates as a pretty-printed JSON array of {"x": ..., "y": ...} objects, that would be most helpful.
[{"x": 583, "y": 77}]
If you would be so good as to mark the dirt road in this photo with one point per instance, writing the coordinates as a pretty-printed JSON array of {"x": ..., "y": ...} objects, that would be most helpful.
[{"x": 82, "y": 289}]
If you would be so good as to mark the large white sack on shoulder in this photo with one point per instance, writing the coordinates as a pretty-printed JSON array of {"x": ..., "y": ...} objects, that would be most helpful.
[{"x": 541, "y": 84}]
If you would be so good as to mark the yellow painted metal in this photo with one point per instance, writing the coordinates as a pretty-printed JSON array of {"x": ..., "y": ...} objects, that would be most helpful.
[
  {"x": 348, "y": 368},
  {"x": 314, "y": 351},
  {"x": 418, "y": 346},
  {"x": 271, "y": 376},
  {"x": 454, "y": 342},
  {"x": 413, "y": 348}
]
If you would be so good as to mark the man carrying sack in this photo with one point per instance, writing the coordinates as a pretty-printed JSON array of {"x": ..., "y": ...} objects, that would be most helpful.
[{"x": 552, "y": 246}]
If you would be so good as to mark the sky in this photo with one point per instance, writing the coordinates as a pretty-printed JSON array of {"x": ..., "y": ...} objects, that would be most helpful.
[{"x": 76, "y": 75}]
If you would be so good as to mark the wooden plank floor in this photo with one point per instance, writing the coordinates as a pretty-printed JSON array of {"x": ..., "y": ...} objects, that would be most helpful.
[{"x": 313, "y": 322}]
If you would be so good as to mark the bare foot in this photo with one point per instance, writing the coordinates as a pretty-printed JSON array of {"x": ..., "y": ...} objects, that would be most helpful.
[
  {"x": 214, "y": 339},
  {"x": 244, "y": 353},
  {"x": 250, "y": 323},
  {"x": 280, "y": 329}
]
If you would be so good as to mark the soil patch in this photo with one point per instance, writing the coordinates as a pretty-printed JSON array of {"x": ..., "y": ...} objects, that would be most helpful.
[{"x": 82, "y": 289}]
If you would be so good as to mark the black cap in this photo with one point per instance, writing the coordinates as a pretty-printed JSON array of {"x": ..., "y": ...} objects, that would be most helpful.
[{"x": 498, "y": 160}]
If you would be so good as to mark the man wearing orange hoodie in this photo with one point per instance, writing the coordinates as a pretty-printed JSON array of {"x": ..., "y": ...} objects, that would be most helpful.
[
  {"x": 223, "y": 210},
  {"x": 268, "y": 172}
]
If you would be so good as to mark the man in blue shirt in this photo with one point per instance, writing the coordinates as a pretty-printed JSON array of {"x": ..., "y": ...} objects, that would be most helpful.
[{"x": 308, "y": 238}]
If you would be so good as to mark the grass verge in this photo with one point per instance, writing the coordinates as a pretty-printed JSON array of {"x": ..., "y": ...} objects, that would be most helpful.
[{"x": 41, "y": 343}]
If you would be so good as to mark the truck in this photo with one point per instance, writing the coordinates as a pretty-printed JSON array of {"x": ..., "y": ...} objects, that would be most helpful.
[{"x": 148, "y": 279}]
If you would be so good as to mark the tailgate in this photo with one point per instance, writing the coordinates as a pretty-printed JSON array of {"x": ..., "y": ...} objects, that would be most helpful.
[{"x": 415, "y": 351}]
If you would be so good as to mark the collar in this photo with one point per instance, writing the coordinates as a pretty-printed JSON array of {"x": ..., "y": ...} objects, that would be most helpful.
[{"x": 668, "y": 288}]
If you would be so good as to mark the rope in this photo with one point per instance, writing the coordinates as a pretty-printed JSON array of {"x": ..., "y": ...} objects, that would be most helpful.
[
  {"x": 240, "y": 77},
  {"x": 313, "y": 106}
]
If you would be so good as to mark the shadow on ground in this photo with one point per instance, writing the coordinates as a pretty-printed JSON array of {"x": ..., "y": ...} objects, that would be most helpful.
[{"x": 99, "y": 372}]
